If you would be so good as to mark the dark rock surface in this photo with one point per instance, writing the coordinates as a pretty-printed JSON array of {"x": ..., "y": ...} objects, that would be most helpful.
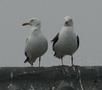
[{"x": 51, "y": 78}]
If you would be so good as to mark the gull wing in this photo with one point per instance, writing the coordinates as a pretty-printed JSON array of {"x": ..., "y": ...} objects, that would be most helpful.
[
  {"x": 55, "y": 39},
  {"x": 78, "y": 41}
]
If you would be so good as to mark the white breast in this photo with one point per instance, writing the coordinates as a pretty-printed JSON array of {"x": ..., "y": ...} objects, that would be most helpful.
[
  {"x": 36, "y": 46},
  {"x": 67, "y": 42}
]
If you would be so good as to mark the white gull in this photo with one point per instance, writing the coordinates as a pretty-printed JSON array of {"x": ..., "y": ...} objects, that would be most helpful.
[
  {"x": 66, "y": 42},
  {"x": 36, "y": 43}
]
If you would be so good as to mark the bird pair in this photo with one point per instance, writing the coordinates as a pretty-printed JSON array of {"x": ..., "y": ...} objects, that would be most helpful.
[{"x": 66, "y": 42}]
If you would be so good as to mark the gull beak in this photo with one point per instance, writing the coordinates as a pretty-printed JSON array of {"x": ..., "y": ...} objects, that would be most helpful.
[{"x": 25, "y": 24}]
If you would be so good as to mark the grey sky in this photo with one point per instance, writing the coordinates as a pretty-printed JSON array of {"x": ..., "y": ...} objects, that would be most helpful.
[{"x": 87, "y": 16}]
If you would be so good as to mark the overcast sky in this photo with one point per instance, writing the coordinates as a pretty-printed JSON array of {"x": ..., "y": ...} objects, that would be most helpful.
[{"x": 87, "y": 16}]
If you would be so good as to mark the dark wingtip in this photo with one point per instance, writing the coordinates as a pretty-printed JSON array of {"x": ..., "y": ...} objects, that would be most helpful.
[
  {"x": 26, "y": 61},
  {"x": 54, "y": 54}
]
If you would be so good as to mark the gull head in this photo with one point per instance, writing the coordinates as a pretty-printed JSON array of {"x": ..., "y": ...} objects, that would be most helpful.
[
  {"x": 33, "y": 22},
  {"x": 68, "y": 21}
]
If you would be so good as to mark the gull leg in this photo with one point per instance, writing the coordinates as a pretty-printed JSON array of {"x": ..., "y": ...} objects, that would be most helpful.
[
  {"x": 39, "y": 61},
  {"x": 72, "y": 63},
  {"x": 62, "y": 61},
  {"x": 72, "y": 60}
]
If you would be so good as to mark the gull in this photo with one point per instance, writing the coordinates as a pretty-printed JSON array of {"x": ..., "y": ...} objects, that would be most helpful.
[
  {"x": 36, "y": 43},
  {"x": 66, "y": 42}
]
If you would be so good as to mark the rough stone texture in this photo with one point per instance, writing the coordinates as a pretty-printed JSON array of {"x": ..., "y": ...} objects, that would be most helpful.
[{"x": 51, "y": 78}]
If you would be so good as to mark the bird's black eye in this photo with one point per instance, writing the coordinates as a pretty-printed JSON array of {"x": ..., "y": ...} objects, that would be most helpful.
[
  {"x": 32, "y": 20},
  {"x": 38, "y": 24},
  {"x": 66, "y": 22}
]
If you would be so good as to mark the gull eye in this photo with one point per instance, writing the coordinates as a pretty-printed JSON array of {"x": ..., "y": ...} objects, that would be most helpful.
[
  {"x": 70, "y": 20},
  {"x": 38, "y": 24},
  {"x": 66, "y": 22},
  {"x": 32, "y": 20}
]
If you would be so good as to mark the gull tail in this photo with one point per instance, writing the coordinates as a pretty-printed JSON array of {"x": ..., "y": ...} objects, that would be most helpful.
[{"x": 27, "y": 59}]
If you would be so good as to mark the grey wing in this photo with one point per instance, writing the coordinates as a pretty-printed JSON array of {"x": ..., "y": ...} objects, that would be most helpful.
[
  {"x": 78, "y": 41},
  {"x": 55, "y": 39}
]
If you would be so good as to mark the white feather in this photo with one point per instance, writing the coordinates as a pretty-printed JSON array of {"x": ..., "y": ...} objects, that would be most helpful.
[
  {"x": 67, "y": 42},
  {"x": 36, "y": 44}
]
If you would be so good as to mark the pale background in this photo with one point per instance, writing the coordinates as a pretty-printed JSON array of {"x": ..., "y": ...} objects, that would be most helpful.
[{"x": 87, "y": 16}]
